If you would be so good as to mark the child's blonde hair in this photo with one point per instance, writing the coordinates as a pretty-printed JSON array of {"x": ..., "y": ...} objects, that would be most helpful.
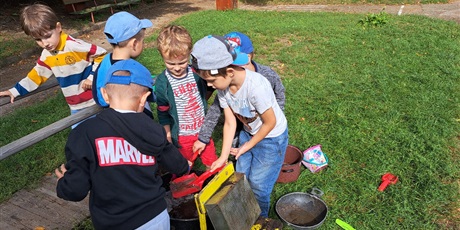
[
  {"x": 174, "y": 41},
  {"x": 37, "y": 20}
]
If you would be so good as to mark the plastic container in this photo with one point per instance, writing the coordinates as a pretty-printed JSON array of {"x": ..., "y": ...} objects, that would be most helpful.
[{"x": 291, "y": 168}]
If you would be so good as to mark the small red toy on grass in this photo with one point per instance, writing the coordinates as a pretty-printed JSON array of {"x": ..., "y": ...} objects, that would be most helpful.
[{"x": 387, "y": 179}]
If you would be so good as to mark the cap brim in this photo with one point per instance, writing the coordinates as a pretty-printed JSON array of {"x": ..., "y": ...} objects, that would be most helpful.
[
  {"x": 145, "y": 23},
  {"x": 241, "y": 59}
]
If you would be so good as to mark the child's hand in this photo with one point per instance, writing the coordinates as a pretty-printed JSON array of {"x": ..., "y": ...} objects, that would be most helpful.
[
  {"x": 218, "y": 163},
  {"x": 60, "y": 173},
  {"x": 198, "y": 146},
  {"x": 7, "y": 93},
  {"x": 87, "y": 84},
  {"x": 237, "y": 152}
]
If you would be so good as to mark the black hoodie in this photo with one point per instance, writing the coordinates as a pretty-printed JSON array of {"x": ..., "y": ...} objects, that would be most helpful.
[{"x": 104, "y": 156}]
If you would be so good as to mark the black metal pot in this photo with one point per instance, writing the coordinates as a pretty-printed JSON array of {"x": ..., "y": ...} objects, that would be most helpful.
[
  {"x": 302, "y": 210},
  {"x": 183, "y": 214}
]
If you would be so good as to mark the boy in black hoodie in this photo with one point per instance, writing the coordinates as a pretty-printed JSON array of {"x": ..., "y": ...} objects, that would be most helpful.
[{"x": 115, "y": 157}]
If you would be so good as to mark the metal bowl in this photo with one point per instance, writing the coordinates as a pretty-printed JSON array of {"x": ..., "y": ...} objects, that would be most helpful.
[{"x": 302, "y": 210}]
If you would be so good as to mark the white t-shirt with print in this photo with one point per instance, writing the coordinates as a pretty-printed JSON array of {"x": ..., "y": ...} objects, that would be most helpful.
[{"x": 253, "y": 98}]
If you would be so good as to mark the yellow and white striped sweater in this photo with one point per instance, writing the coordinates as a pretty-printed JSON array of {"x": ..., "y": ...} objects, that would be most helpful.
[{"x": 71, "y": 62}]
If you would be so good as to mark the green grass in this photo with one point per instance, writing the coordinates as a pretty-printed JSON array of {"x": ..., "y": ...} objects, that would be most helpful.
[
  {"x": 378, "y": 99},
  {"x": 10, "y": 46},
  {"x": 26, "y": 168}
]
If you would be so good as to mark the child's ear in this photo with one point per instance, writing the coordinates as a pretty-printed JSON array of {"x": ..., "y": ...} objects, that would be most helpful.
[
  {"x": 134, "y": 43},
  {"x": 230, "y": 72},
  {"x": 58, "y": 26},
  {"x": 142, "y": 101},
  {"x": 105, "y": 95}
]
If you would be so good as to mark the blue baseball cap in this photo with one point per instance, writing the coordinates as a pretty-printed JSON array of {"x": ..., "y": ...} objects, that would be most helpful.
[
  {"x": 123, "y": 26},
  {"x": 215, "y": 52},
  {"x": 138, "y": 74},
  {"x": 240, "y": 42}
]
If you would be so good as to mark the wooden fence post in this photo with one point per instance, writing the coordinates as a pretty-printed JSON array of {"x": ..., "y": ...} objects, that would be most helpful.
[{"x": 226, "y": 4}]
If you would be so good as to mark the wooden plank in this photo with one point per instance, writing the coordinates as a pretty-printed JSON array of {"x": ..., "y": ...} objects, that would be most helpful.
[
  {"x": 17, "y": 217},
  {"x": 26, "y": 141},
  {"x": 33, "y": 208},
  {"x": 68, "y": 2},
  {"x": 92, "y": 9},
  {"x": 51, "y": 214},
  {"x": 127, "y": 2},
  {"x": 4, "y": 225},
  {"x": 48, "y": 191}
]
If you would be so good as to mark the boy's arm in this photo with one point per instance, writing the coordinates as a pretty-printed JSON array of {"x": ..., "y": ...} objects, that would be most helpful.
[
  {"x": 97, "y": 59},
  {"x": 168, "y": 132},
  {"x": 210, "y": 121},
  {"x": 37, "y": 76},
  {"x": 75, "y": 183},
  {"x": 162, "y": 101},
  {"x": 268, "y": 123},
  {"x": 94, "y": 55},
  {"x": 229, "y": 133},
  {"x": 275, "y": 82},
  {"x": 173, "y": 161}
]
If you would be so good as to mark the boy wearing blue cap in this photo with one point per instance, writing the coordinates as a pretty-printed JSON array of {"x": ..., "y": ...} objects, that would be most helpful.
[
  {"x": 125, "y": 32},
  {"x": 243, "y": 44},
  {"x": 116, "y": 155},
  {"x": 247, "y": 96}
]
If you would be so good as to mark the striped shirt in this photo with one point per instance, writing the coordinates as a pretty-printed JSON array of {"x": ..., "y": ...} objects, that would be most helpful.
[
  {"x": 71, "y": 63},
  {"x": 190, "y": 109}
]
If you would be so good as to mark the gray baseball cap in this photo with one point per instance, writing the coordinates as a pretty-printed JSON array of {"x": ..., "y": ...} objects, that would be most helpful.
[{"x": 215, "y": 52}]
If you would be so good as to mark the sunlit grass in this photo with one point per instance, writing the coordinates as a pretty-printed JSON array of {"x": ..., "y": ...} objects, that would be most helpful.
[{"x": 378, "y": 100}]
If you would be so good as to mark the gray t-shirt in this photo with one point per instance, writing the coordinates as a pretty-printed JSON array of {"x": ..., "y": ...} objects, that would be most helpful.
[{"x": 253, "y": 98}]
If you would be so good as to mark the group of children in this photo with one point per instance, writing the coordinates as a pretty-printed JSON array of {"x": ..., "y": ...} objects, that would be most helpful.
[{"x": 116, "y": 155}]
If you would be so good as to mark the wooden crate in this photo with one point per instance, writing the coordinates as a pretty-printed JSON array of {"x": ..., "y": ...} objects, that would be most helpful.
[{"x": 234, "y": 206}]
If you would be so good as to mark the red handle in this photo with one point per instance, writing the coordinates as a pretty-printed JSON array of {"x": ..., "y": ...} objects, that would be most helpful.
[
  {"x": 383, "y": 185},
  {"x": 195, "y": 155},
  {"x": 200, "y": 180}
]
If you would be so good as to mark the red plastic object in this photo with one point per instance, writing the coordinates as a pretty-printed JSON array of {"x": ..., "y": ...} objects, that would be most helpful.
[
  {"x": 387, "y": 179},
  {"x": 195, "y": 155},
  {"x": 186, "y": 185}
]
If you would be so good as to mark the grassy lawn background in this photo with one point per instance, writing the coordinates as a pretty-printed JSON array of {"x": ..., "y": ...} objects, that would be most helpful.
[
  {"x": 10, "y": 45},
  {"x": 378, "y": 100}
]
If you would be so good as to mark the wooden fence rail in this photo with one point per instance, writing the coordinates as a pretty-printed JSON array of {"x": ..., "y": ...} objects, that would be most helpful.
[
  {"x": 41, "y": 134},
  {"x": 52, "y": 82}
]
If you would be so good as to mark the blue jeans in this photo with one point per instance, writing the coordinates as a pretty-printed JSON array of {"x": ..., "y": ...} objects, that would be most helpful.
[
  {"x": 159, "y": 222},
  {"x": 262, "y": 165}
]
